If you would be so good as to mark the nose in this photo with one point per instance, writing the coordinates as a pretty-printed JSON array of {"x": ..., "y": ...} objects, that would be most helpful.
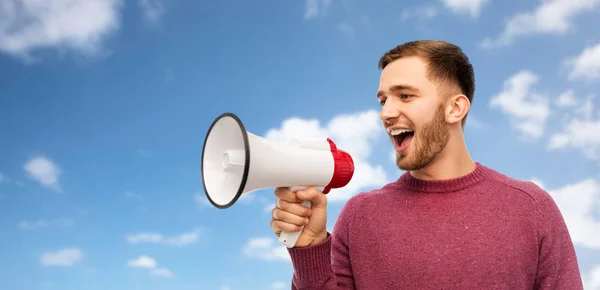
[{"x": 389, "y": 112}]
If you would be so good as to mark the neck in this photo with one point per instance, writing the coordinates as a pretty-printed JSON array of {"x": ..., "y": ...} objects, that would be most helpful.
[{"x": 453, "y": 162}]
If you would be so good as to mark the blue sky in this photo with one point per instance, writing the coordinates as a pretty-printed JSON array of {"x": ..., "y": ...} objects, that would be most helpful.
[{"x": 104, "y": 107}]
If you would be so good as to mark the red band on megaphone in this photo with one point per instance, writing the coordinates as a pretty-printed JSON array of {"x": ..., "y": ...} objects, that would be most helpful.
[{"x": 343, "y": 168}]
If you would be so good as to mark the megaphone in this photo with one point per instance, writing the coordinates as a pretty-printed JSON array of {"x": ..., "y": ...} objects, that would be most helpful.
[{"x": 236, "y": 162}]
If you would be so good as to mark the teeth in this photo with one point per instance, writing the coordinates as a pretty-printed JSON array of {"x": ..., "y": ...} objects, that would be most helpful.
[{"x": 395, "y": 132}]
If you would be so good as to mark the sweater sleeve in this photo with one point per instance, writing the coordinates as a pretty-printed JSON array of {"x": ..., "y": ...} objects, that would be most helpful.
[
  {"x": 557, "y": 265},
  {"x": 326, "y": 266}
]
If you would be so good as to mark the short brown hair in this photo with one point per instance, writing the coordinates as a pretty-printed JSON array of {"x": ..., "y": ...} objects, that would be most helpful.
[{"x": 448, "y": 66}]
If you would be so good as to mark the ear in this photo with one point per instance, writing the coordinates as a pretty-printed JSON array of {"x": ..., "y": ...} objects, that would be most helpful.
[{"x": 457, "y": 108}]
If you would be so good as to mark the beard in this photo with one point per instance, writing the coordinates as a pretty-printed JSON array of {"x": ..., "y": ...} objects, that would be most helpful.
[{"x": 427, "y": 143}]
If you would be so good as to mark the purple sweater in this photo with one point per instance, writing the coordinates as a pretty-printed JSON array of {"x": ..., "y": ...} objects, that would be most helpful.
[{"x": 480, "y": 231}]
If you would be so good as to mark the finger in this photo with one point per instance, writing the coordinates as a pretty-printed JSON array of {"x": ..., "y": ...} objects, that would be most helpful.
[
  {"x": 287, "y": 217},
  {"x": 286, "y": 227},
  {"x": 316, "y": 197},
  {"x": 274, "y": 227},
  {"x": 294, "y": 208},
  {"x": 286, "y": 194}
]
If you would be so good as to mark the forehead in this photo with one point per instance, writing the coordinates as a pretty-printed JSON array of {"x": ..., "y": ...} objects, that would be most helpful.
[{"x": 406, "y": 71}]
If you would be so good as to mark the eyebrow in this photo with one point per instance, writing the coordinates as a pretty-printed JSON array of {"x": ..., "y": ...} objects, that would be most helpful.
[{"x": 396, "y": 88}]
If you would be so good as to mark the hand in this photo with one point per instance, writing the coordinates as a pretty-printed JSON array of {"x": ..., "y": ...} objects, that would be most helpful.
[{"x": 289, "y": 215}]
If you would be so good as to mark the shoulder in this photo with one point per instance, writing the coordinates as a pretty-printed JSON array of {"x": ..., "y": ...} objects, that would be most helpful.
[
  {"x": 539, "y": 200},
  {"x": 524, "y": 188}
]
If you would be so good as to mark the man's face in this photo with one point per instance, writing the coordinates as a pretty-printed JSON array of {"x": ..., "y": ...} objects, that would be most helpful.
[{"x": 411, "y": 105}]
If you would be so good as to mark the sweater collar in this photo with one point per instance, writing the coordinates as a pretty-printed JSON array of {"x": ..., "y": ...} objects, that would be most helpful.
[{"x": 407, "y": 181}]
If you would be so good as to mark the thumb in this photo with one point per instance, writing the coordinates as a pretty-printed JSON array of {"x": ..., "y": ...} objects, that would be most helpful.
[{"x": 316, "y": 197}]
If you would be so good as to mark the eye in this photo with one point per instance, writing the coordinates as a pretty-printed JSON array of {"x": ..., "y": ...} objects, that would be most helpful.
[{"x": 405, "y": 96}]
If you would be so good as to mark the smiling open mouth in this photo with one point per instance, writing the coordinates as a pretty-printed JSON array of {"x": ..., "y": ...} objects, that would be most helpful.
[{"x": 402, "y": 138}]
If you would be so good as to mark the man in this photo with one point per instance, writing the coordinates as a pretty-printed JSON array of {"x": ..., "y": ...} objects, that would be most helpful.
[{"x": 448, "y": 222}]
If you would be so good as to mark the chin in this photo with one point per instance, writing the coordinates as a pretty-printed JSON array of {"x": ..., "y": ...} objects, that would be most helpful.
[
  {"x": 406, "y": 165},
  {"x": 404, "y": 161},
  {"x": 411, "y": 160}
]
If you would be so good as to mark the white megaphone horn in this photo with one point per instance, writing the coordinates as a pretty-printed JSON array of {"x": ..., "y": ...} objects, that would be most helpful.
[{"x": 235, "y": 162}]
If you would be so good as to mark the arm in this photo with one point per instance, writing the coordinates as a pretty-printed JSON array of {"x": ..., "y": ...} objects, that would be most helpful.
[
  {"x": 326, "y": 266},
  {"x": 557, "y": 265}
]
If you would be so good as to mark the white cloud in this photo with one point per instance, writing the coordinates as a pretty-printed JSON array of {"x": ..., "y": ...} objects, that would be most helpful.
[
  {"x": 471, "y": 7},
  {"x": 353, "y": 133},
  {"x": 579, "y": 131},
  {"x": 578, "y": 203},
  {"x": 162, "y": 272},
  {"x": 152, "y": 10},
  {"x": 550, "y": 17},
  {"x": 144, "y": 238},
  {"x": 142, "y": 262},
  {"x": 156, "y": 238},
  {"x": 78, "y": 25},
  {"x": 312, "y": 8},
  {"x": 527, "y": 109},
  {"x": 63, "y": 258},
  {"x": 183, "y": 239},
  {"x": 32, "y": 225},
  {"x": 279, "y": 285},
  {"x": 44, "y": 171},
  {"x": 591, "y": 279},
  {"x": 3, "y": 178},
  {"x": 146, "y": 262},
  {"x": 266, "y": 248},
  {"x": 566, "y": 99},
  {"x": 586, "y": 65}
]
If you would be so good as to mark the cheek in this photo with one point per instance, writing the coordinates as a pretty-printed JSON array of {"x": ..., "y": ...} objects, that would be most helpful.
[{"x": 416, "y": 116}]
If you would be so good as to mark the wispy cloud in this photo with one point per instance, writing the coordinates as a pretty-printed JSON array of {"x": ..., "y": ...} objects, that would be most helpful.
[
  {"x": 44, "y": 171},
  {"x": 579, "y": 129},
  {"x": 76, "y": 25},
  {"x": 470, "y": 7},
  {"x": 62, "y": 258},
  {"x": 265, "y": 248},
  {"x": 146, "y": 262},
  {"x": 346, "y": 28},
  {"x": 3, "y": 178},
  {"x": 182, "y": 239},
  {"x": 142, "y": 262},
  {"x": 527, "y": 109},
  {"x": 566, "y": 99},
  {"x": 313, "y": 8},
  {"x": 152, "y": 10},
  {"x": 549, "y": 17},
  {"x": 37, "y": 224},
  {"x": 591, "y": 279},
  {"x": 276, "y": 285},
  {"x": 586, "y": 65}
]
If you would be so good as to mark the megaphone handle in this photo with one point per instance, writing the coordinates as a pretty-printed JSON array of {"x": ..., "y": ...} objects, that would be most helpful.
[{"x": 290, "y": 239}]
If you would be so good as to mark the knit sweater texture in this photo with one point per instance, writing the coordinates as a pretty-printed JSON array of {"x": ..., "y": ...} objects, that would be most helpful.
[{"x": 483, "y": 230}]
